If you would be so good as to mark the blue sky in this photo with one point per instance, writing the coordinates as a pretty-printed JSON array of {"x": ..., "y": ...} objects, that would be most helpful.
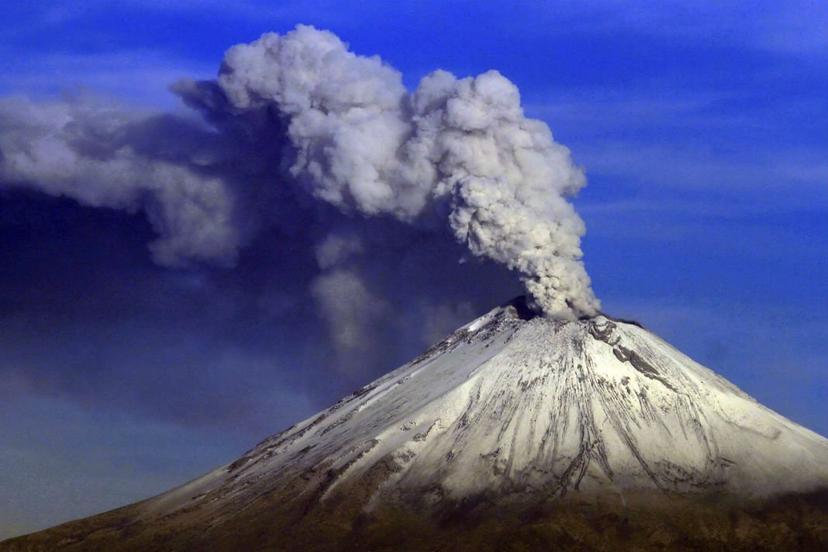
[{"x": 703, "y": 131}]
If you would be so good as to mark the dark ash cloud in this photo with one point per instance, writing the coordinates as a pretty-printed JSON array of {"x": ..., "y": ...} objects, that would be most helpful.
[{"x": 308, "y": 215}]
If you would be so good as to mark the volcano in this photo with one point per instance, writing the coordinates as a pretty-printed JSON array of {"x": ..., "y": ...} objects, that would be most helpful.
[{"x": 515, "y": 432}]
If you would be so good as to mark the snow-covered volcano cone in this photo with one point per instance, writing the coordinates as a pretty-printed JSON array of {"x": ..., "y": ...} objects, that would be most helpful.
[
  {"x": 512, "y": 403},
  {"x": 512, "y": 413}
]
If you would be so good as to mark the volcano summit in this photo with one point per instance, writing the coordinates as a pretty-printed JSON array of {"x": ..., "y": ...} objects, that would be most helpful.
[{"x": 516, "y": 431}]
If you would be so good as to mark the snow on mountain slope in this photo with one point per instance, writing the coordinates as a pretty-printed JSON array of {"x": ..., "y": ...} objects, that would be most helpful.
[{"x": 511, "y": 404}]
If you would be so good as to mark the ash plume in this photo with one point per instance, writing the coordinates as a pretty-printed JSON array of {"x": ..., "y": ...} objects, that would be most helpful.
[{"x": 299, "y": 124}]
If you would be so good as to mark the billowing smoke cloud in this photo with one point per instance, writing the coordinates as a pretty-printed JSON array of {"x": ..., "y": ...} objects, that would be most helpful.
[
  {"x": 297, "y": 123},
  {"x": 82, "y": 151}
]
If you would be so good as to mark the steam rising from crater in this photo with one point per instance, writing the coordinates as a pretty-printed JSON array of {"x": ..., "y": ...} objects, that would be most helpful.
[{"x": 301, "y": 112}]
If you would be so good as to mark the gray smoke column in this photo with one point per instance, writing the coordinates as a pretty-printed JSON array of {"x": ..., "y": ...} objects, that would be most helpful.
[
  {"x": 456, "y": 146},
  {"x": 299, "y": 119}
]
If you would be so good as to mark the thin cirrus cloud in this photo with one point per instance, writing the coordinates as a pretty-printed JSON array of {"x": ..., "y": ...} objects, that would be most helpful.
[{"x": 140, "y": 77}]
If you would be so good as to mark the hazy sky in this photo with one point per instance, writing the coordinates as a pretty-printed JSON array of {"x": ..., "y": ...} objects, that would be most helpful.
[{"x": 703, "y": 133}]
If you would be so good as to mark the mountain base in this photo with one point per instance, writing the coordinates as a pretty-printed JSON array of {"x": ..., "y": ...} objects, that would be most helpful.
[{"x": 640, "y": 522}]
